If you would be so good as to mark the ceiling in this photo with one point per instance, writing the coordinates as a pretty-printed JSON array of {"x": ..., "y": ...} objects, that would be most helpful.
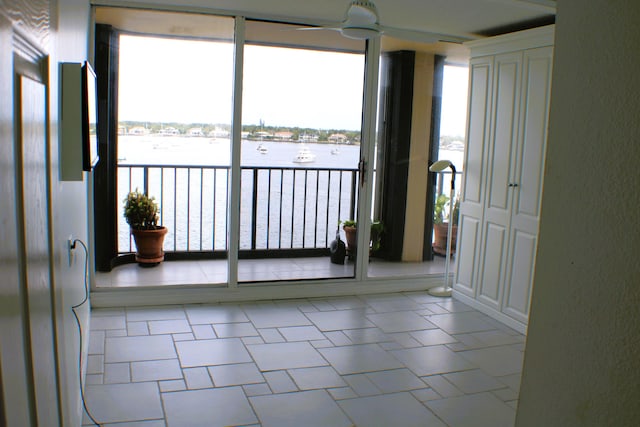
[
  {"x": 460, "y": 18},
  {"x": 453, "y": 20}
]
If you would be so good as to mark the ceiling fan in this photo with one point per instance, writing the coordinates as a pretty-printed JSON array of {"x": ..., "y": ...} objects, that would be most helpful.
[{"x": 361, "y": 22}]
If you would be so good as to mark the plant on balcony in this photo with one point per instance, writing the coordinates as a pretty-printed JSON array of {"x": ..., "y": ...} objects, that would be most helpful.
[
  {"x": 141, "y": 213},
  {"x": 441, "y": 227},
  {"x": 350, "y": 229}
]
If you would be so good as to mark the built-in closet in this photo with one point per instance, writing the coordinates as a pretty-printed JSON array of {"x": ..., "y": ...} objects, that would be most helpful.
[{"x": 509, "y": 94}]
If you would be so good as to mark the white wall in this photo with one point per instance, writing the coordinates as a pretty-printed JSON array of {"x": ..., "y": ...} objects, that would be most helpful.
[
  {"x": 70, "y": 31},
  {"x": 63, "y": 40},
  {"x": 582, "y": 363}
]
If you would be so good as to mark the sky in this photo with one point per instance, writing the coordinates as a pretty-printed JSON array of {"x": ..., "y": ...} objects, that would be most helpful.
[
  {"x": 168, "y": 80},
  {"x": 454, "y": 100}
]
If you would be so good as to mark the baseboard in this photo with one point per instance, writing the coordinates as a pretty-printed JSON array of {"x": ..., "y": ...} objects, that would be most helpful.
[
  {"x": 500, "y": 317},
  {"x": 191, "y": 294}
]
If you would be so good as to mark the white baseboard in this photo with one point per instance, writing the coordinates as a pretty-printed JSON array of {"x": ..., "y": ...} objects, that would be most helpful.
[
  {"x": 500, "y": 317},
  {"x": 193, "y": 294}
]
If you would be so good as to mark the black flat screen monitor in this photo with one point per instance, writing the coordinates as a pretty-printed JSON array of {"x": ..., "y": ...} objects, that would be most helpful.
[{"x": 89, "y": 118}]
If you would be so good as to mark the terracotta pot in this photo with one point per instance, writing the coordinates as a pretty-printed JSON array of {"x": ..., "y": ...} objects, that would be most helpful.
[
  {"x": 149, "y": 245},
  {"x": 350, "y": 236},
  {"x": 440, "y": 232}
]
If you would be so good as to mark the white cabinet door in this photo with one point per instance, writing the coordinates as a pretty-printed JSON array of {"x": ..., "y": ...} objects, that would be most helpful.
[
  {"x": 510, "y": 79},
  {"x": 527, "y": 181},
  {"x": 499, "y": 166},
  {"x": 472, "y": 201}
]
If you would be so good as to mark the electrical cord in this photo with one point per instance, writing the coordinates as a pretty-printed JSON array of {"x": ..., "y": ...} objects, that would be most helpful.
[{"x": 75, "y": 314}]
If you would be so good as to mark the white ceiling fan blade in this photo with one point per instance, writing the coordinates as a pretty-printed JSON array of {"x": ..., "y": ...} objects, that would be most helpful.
[
  {"x": 319, "y": 28},
  {"x": 420, "y": 36}
]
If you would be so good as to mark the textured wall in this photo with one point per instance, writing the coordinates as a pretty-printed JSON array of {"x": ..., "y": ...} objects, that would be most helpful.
[
  {"x": 70, "y": 37},
  {"x": 60, "y": 28},
  {"x": 32, "y": 16},
  {"x": 582, "y": 360}
]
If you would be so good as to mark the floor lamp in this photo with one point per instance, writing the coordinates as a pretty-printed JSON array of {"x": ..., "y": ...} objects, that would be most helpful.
[{"x": 445, "y": 290}]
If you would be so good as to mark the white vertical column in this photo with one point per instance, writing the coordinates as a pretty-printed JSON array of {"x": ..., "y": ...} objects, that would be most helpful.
[
  {"x": 236, "y": 137},
  {"x": 367, "y": 147}
]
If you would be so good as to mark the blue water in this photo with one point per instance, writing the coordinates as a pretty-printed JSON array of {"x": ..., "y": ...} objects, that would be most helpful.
[
  {"x": 171, "y": 150},
  {"x": 196, "y": 212}
]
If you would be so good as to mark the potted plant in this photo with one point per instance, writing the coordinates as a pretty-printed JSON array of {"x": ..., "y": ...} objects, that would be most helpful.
[
  {"x": 141, "y": 213},
  {"x": 350, "y": 228},
  {"x": 441, "y": 227}
]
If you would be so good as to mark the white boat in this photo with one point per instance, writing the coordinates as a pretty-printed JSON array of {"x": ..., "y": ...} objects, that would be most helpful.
[
  {"x": 262, "y": 149},
  {"x": 335, "y": 151},
  {"x": 304, "y": 156}
]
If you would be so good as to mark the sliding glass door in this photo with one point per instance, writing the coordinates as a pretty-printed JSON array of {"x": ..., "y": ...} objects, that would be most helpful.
[
  {"x": 256, "y": 139},
  {"x": 300, "y": 148},
  {"x": 174, "y": 105}
]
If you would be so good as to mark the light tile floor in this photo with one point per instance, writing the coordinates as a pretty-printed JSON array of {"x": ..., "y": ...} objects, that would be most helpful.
[{"x": 402, "y": 359}]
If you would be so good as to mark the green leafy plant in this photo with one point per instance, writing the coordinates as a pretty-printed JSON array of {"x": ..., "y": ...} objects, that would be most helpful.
[
  {"x": 377, "y": 228},
  {"x": 440, "y": 212},
  {"x": 456, "y": 211},
  {"x": 141, "y": 211},
  {"x": 439, "y": 208},
  {"x": 349, "y": 223}
]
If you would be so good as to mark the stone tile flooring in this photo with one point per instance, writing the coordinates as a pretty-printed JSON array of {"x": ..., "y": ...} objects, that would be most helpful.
[{"x": 402, "y": 359}]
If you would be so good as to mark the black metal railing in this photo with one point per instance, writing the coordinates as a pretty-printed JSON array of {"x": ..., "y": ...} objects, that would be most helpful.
[{"x": 282, "y": 208}]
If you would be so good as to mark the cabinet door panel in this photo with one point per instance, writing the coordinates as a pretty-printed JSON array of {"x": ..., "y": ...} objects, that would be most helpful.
[
  {"x": 467, "y": 249},
  {"x": 478, "y": 126},
  {"x": 531, "y": 147},
  {"x": 506, "y": 87},
  {"x": 533, "y": 131},
  {"x": 493, "y": 252},
  {"x": 520, "y": 279}
]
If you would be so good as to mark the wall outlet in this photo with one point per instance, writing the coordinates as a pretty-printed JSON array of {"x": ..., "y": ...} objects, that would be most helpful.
[{"x": 70, "y": 248}]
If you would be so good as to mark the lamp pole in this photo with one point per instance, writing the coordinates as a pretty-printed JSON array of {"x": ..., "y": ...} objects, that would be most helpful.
[{"x": 446, "y": 290}]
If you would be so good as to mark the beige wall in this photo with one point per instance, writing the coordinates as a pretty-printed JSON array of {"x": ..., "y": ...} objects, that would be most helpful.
[
  {"x": 71, "y": 24},
  {"x": 418, "y": 157},
  {"x": 60, "y": 30},
  {"x": 582, "y": 359}
]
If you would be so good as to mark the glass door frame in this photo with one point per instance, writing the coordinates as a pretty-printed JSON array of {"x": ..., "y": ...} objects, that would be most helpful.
[
  {"x": 367, "y": 154},
  {"x": 368, "y": 132}
]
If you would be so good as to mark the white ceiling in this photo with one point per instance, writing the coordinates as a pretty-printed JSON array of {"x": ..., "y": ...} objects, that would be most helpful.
[
  {"x": 460, "y": 18},
  {"x": 457, "y": 20}
]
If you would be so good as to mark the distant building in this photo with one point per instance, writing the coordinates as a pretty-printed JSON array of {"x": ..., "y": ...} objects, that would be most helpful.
[
  {"x": 219, "y": 133},
  {"x": 338, "y": 138},
  {"x": 169, "y": 131},
  {"x": 195, "y": 132},
  {"x": 308, "y": 138},
  {"x": 283, "y": 136},
  {"x": 262, "y": 134},
  {"x": 138, "y": 130}
]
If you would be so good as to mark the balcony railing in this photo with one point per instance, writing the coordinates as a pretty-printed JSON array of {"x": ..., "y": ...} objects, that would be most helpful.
[{"x": 282, "y": 208}]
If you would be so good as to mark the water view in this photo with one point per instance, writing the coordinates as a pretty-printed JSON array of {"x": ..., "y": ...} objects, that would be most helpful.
[{"x": 293, "y": 194}]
